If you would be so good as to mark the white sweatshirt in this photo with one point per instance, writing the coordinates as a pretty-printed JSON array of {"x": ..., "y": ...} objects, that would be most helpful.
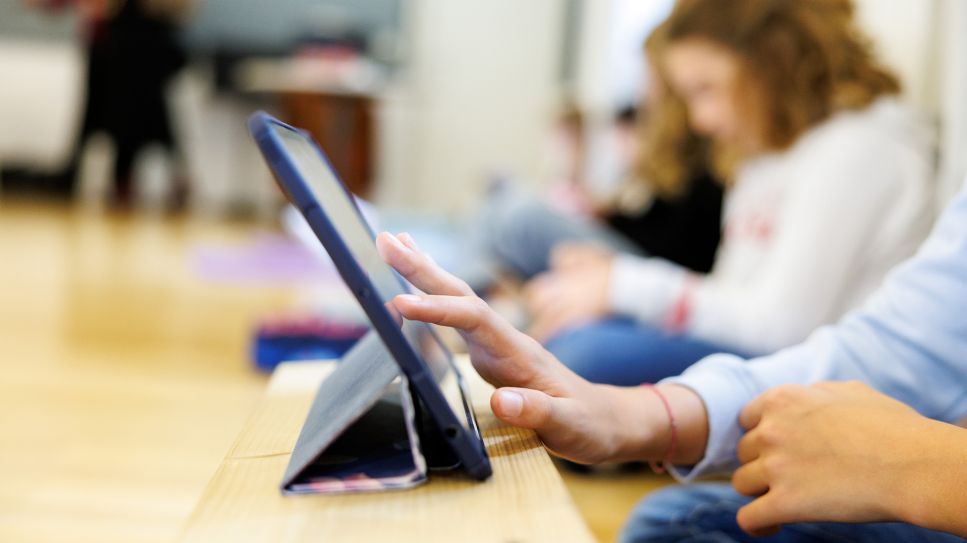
[{"x": 808, "y": 234}]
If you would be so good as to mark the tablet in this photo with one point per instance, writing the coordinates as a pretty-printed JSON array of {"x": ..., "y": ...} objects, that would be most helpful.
[{"x": 309, "y": 182}]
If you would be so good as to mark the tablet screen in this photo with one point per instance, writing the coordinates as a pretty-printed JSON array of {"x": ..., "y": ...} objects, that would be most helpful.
[{"x": 358, "y": 238}]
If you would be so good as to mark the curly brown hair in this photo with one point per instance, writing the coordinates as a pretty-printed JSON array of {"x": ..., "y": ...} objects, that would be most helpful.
[
  {"x": 802, "y": 61},
  {"x": 670, "y": 154}
]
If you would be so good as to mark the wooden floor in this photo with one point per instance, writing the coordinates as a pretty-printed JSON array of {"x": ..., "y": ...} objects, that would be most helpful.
[{"x": 125, "y": 377}]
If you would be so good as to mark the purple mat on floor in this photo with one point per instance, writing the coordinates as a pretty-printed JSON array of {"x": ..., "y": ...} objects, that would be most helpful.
[{"x": 269, "y": 258}]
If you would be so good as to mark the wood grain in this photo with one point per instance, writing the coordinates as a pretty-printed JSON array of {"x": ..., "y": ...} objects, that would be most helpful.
[
  {"x": 124, "y": 378},
  {"x": 525, "y": 500}
]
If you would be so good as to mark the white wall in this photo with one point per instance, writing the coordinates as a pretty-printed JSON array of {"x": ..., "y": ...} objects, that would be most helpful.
[
  {"x": 40, "y": 91},
  {"x": 903, "y": 32},
  {"x": 479, "y": 93},
  {"x": 905, "y": 36},
  {"x": 953, "y": 96},
  {"x": 926, "y": 42}
]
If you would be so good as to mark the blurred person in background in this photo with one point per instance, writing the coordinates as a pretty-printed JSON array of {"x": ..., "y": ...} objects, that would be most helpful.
[
  {"x": 829, "y": 186},
  {"x": 669, "y": 209},
  {"x": 132, "y": 53}
]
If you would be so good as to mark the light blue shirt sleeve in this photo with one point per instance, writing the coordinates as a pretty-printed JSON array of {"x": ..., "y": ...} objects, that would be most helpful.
[{"x": 908, "y": 341}]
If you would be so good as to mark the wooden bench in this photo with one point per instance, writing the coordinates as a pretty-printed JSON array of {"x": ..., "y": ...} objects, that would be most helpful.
[{"x": 525, "y": 500}]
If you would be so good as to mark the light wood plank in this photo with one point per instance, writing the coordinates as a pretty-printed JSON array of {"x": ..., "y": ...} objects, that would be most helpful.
[
  {"x": 525, "y": 500},
  {"x": 124, "y": 376}
]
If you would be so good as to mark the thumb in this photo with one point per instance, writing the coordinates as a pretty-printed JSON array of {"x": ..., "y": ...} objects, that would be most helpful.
[
  {"x": 561, "y": 423},
  {"x": 523, "y": 407}
]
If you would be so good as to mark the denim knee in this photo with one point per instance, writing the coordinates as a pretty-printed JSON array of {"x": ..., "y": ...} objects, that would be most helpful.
[{"x": 695, "y": 513}]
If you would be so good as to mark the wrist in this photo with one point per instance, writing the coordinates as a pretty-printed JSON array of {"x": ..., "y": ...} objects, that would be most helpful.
[
  {"x": 642, "y": 426},
  {"x": 639, "y": 422},
  {"x": 927, "y": 487}
]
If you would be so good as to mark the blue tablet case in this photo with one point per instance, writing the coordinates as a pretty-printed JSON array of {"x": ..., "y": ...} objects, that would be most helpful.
[
  {"x": 381, "y": 418},
  {"x": 360, "y": 433}
]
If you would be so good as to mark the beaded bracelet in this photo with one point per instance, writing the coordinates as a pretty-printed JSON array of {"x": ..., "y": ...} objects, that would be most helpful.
[{"x": 673, "y": 428}]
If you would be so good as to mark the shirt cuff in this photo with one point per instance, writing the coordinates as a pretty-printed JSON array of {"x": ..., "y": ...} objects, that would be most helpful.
[
  {"x": 645, "y": 288},
  {"x": 724, "y": 394}
]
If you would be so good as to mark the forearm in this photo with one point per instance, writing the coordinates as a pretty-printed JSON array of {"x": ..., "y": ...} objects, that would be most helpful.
[{"x": 930, "y": 491}]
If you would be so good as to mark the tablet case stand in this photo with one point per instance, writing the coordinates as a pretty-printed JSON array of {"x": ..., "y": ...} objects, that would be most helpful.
[{"x": 365, "y": 431}]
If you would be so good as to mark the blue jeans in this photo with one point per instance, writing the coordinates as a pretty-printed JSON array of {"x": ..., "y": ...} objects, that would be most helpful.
[
  {"x": 625, "y": 353},
  {"x": 705, "y": 513},
  {"x": 519, "y": 231}
]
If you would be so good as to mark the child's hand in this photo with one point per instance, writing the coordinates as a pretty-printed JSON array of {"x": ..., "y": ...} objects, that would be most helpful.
[
  {"x": 830, "y": 452},
  {"x": 575, "y": 291},
  {"x": 571, "y": 256},
  {"x": 558, "y": 301},
  {"x": 575, "y": 419}
]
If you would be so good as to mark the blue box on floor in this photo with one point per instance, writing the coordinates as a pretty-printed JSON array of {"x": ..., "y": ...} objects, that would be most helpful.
[{"x": 302, "y": 337}]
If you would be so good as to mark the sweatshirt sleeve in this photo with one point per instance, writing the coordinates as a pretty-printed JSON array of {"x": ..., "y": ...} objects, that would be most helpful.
[
  {"x": 829, "y": 216},
  {"x": 646, "y": 289},
  {"x": 908, "y": 342}
]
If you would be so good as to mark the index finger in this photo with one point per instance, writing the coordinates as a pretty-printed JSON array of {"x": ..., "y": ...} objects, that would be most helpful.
[
  {"x": 752, "y": 412},
  {"x": 417, "y": 267},
  {"x": 468, "y": 314},
  {"x": 774, "y": 399}
]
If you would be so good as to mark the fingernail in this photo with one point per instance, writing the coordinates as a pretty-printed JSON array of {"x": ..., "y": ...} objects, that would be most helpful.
[
  {"x": 411, "y": 299},
  {"x": 408, "y": 240},
  {"x": 399, "y": 244},
  {"x": 512, "y": 403}
]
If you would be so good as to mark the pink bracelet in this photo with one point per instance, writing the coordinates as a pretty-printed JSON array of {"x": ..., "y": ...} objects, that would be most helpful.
[
  {"x": 673, "y": 428},
  {"x": 680, "y": 313}
]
